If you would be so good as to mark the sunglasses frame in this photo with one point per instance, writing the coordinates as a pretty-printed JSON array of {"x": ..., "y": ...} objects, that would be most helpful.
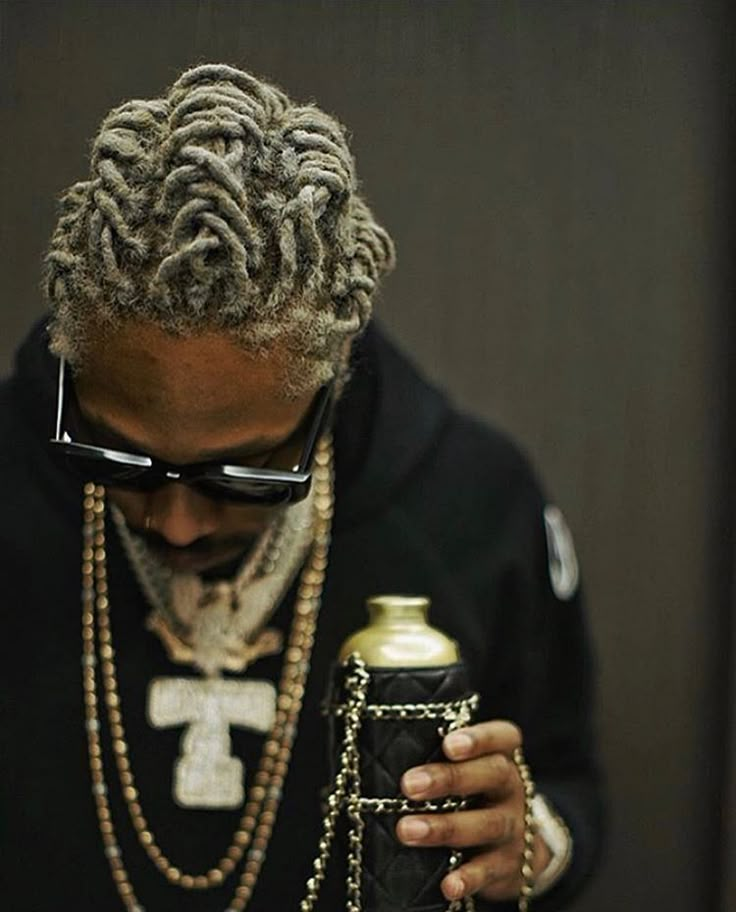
[{"x": 203, "y": 476}]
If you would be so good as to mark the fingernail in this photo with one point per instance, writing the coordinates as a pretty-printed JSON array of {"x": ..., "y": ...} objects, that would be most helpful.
[
  {"x": 416, "y": 782},
  {"x": 413, "y": 830},
  {"x": 458, "y": 744},
  {"x": 454, "y": 886}
]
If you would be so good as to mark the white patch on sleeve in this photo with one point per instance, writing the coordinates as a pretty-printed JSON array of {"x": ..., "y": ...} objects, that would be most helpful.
[{"x": 564, "y": 573}]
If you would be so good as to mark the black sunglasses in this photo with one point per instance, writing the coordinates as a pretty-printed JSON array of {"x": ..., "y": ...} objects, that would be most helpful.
[{"x": 136, "y": 471}]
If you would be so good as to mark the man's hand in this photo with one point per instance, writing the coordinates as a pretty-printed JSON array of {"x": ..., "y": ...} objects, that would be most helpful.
[{"x": 481, "y": 763}]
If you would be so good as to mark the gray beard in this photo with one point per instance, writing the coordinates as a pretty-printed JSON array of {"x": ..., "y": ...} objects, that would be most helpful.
[{"x": 229, "y": 568}]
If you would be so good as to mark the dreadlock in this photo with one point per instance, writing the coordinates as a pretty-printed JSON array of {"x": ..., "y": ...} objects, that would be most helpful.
[{"x": 221, "y": 206}]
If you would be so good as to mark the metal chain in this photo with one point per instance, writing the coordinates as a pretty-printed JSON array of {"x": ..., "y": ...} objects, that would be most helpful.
[
  {"x": 356, "y": 829},
  {"x": 456, "y": 711},
  {"x": 346, "y": 789},
  {"x": 357, "y": 686},
  {"x": 527, "y": 856},
  {"x": 252, "y": 837},
  {"x": 405, "y": 806}
]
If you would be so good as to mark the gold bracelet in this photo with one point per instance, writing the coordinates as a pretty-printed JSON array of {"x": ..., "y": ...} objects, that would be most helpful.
[{"x": 527, "y": 857}]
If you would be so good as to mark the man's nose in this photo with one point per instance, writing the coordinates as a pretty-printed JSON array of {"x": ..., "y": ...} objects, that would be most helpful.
[{"x": 181, "y": 515}]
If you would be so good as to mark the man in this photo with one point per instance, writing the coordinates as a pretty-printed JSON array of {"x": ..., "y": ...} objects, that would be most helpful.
[{"x": 238, "y": 460}]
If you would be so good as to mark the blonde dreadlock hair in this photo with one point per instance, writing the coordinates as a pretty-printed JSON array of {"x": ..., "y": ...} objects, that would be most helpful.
[{"x": 221, "y": 206}]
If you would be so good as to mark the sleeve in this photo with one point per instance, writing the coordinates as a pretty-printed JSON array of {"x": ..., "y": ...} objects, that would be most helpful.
[{"x": 541, "y": 675}]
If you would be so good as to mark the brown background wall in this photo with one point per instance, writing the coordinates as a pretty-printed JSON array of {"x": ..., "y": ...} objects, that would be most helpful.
[{"x": 554, "y": 174}]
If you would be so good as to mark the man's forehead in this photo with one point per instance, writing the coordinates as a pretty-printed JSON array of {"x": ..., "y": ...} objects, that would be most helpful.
[
  {"x": 142, "y": 355},
  {"x": 177, "y": 393}
]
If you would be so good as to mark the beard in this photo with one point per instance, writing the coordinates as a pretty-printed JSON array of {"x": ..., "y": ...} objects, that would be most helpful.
[{"x": 209, "y": 557}]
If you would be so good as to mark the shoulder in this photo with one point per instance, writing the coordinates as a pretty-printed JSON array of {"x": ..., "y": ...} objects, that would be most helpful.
[
  {"x": 490, "y": 455},
  {"x": 478, "y": 471},
  {"x": 431, "y": 461},
  {"x": 441, "y": 437},
  {"x": 476, "y": 505},
  {"x": 473, "y": 508}
]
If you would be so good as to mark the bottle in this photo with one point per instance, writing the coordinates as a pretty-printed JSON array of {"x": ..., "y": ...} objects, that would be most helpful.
[
  {"x": 417, "y": 690},
  {"x": 398, "y": 635}
]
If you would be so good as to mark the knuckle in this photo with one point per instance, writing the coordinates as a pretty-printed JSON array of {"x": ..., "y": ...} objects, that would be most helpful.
[
  {"x": 500, "y": 768},
  {"x": 484, "y": 872},
  {"x": 450, "y": 778},
  {"x": 493, "y": 826},
  {"x": 510, "y": 828},
  {"x": 498, "y": 828},
  {"x": 443, "y": 829},
  {"x": 497, "y": 882},
  {"x": 494, "y": 874},
  {"x": 515, "y": 734}
]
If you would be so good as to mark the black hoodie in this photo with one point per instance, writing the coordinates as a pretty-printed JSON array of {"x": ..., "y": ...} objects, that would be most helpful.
[{"x": 427, "y": 501}]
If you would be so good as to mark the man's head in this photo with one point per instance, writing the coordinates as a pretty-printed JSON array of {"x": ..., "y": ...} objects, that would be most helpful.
[
  {"x": 206, "y": 279},
  {"x": 222, "y": 206}
]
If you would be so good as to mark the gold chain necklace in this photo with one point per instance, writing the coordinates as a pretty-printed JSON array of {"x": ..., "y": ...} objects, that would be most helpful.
[{"x": 253, "y": 834}]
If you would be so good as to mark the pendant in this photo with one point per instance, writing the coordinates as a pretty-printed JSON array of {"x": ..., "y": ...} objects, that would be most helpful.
[
  {"x": 206, "y": 775},
  {"x": 236, "y": 656}
]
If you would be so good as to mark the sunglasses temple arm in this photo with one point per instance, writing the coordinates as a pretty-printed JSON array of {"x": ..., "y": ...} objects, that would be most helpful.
[
  {"x": 318, "y": 427},
  {"x": 59, "y": 399}
]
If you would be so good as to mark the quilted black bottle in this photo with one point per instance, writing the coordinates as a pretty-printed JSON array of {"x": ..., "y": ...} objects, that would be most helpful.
[{"x": 417, "y": 691}]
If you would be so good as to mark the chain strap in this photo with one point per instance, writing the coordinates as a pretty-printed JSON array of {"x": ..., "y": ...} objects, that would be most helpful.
[
  {"x": 357, "y": 687},
  {"x": 346, "y": 790},
  {"x": 456, "y": 712},
  {"x": 405, "y": 806}
]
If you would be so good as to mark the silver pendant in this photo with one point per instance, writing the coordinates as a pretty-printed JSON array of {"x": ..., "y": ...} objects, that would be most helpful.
[{"x": 206, "y": 775}]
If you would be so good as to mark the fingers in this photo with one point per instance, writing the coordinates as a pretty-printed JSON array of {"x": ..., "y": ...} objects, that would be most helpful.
[
  {"x": 499, "y": 736},
  {"x": 459, "y": 830},
  {"x": 493, "y": 876},
  {"x": 481, "y": 764},
  {"x": 493, "y": 775}
]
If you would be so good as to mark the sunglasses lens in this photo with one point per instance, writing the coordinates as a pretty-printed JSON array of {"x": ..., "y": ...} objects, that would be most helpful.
[
  {"x": 89, "y": 466},
  {"x": 245, "y": 491},
  {"x": 105, "y": 474}
]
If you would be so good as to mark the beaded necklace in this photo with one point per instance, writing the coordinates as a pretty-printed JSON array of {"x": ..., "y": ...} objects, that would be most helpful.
[{"x": 251, "y": 838}]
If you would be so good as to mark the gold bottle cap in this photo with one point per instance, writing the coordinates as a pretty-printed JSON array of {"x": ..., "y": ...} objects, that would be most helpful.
[{"x": 398, "y": 635}]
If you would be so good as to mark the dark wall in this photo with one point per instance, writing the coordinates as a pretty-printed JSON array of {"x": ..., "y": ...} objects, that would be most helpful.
[{"x": 554, "y": 174}]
